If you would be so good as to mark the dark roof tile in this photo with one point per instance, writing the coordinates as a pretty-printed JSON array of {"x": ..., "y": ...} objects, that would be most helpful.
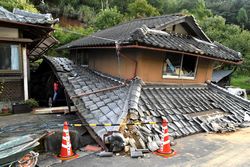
[{"x": 26, "y": 17}]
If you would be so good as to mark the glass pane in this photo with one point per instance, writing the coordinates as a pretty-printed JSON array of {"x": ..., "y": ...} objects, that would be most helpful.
[
  {"x": 188, "y": 67},
  {"x": 14, "y": 57},
  {"x": 172, "y": 65},
  {"x": 9, "y": 57},
  {"x": 5, "y": 58}
]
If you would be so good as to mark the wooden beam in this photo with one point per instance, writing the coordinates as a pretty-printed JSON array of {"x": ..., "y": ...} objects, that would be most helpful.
[
  {"x": 159, "y": 49},
  {"x": 48, "y": 27},
  {"x": 21, "y": 40},
  {"x": 54, "y": 110},
  {"x": 181, "y": 52}
]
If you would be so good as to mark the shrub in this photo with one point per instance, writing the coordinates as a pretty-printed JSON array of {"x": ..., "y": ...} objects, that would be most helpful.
[{"x": 32, "y": 103}]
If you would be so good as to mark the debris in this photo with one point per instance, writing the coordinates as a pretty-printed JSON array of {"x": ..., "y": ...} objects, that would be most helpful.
[
  {"x": 18, "y": 147},
  {"x": 116, "y": 142},
  {"x": 143, "y": 150},
  {"x": 53, "y": 110},
  {"x": 132, "y": 143},
  {"x": 105, "y": 154},
  {"x": 152, "y": 145},
  {"x": 246, "y": 117},
  {"x": 91, "y": 148},
  {"x": 126, "y": 149},
  {"x": 29, "y": 159},
  {"x": 135, "y": 153},
  {"x": 142, "y": 143},
  {"x": 245, "y": 124},
  {"x": 173, "y": 143}
]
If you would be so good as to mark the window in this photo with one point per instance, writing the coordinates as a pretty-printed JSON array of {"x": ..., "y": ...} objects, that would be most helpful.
[
  {"x": 9, "y": 57},
  {"x": 179, "y": 66}
]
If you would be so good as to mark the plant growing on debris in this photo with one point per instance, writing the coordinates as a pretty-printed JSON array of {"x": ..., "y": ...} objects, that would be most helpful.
[{"x": 32, "y": 103}]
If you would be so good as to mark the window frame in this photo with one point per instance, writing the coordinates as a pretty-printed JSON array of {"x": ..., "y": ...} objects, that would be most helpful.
[
  {"x": 179, "y": 77},
  {"x": 19, "y": 57}
]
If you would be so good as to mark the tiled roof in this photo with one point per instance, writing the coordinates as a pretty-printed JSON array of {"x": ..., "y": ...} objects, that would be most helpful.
[
  {"x": 188, "y": 108},
  {"x": 146, "y": 32},
  {"x": 122, "y": 32},
  {"x": 25, "y": 17},
  {"x": 103, "y": 107},
  {"x": 184, "y": 43}
]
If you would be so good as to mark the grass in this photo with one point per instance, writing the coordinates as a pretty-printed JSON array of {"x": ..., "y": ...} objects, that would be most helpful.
[{"x": 241, "y": 81}]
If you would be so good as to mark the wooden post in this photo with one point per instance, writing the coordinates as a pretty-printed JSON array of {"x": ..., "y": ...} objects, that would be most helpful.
[
  {"x": 25, "y": 73},
  {"x": 67, "y": 99}
]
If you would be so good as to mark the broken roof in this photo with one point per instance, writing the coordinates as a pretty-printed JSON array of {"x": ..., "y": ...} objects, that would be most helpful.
[
  {"x": 188, "y": 108},
  {"x": 26, "y": 17}
]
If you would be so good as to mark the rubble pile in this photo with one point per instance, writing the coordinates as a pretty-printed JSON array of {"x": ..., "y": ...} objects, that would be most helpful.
[{"x": 189, "y": 109}]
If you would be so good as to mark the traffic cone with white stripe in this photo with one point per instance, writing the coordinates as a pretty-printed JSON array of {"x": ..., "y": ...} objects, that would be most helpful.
[
  {"x": 165, "y": 149},
  {"x": 66, "y": 149}
]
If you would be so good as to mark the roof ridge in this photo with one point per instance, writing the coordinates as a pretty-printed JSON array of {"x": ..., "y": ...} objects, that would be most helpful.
[
  {"x": 135, "y": 93},
  {"x": 174, "y": 86},
  {"x": 139, "y": 19},
  {"x": 227, "y": 48},
  {"x": 161, "y": 16}
]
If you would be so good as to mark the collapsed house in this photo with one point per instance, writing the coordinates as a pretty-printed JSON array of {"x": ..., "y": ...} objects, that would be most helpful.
[
  {"x": 144, "y": 70},
  {"x": 24, "y": 37}
]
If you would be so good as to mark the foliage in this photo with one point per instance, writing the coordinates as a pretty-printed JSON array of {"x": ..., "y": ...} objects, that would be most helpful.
[
  {"x": 71, "y": 33},
  {"x": 86, "y": 14},
  {"x": 141, "y": 8},
  {"x": 66, "y": 35},
  {"x": 242, "y": 17},
  {"x": 241, "y": 81},
  {"x": 21, "y": 4},
  {"x": 108, "y": 18},
  {"x": 230, "y": 9},
  {"x": 231, "y": 36},
  {"x": 32, "y": 103}
]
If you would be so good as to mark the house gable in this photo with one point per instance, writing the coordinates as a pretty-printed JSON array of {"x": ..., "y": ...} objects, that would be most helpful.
[{"x": 187, "y": 26}]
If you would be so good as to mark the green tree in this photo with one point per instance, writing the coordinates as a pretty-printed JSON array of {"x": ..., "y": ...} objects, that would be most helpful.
[
  {"x": 67, "y": 35},
  {"x": 170, "y": 6},
  {"x": 108, "y": 18},
  {"x": 242, "y": 17},
  {"x": 141, "y": 8},
  {"x": 231, "y": 36},
  {"x": 71, "y": 33},
  {"x": 11, "y": 4},
  {"x": 86, "y": 14}
]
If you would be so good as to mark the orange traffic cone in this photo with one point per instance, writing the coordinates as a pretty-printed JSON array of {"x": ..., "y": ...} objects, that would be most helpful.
[
  {"x": 66, "y": 149},
  {"x": 165, "y": 149}
]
